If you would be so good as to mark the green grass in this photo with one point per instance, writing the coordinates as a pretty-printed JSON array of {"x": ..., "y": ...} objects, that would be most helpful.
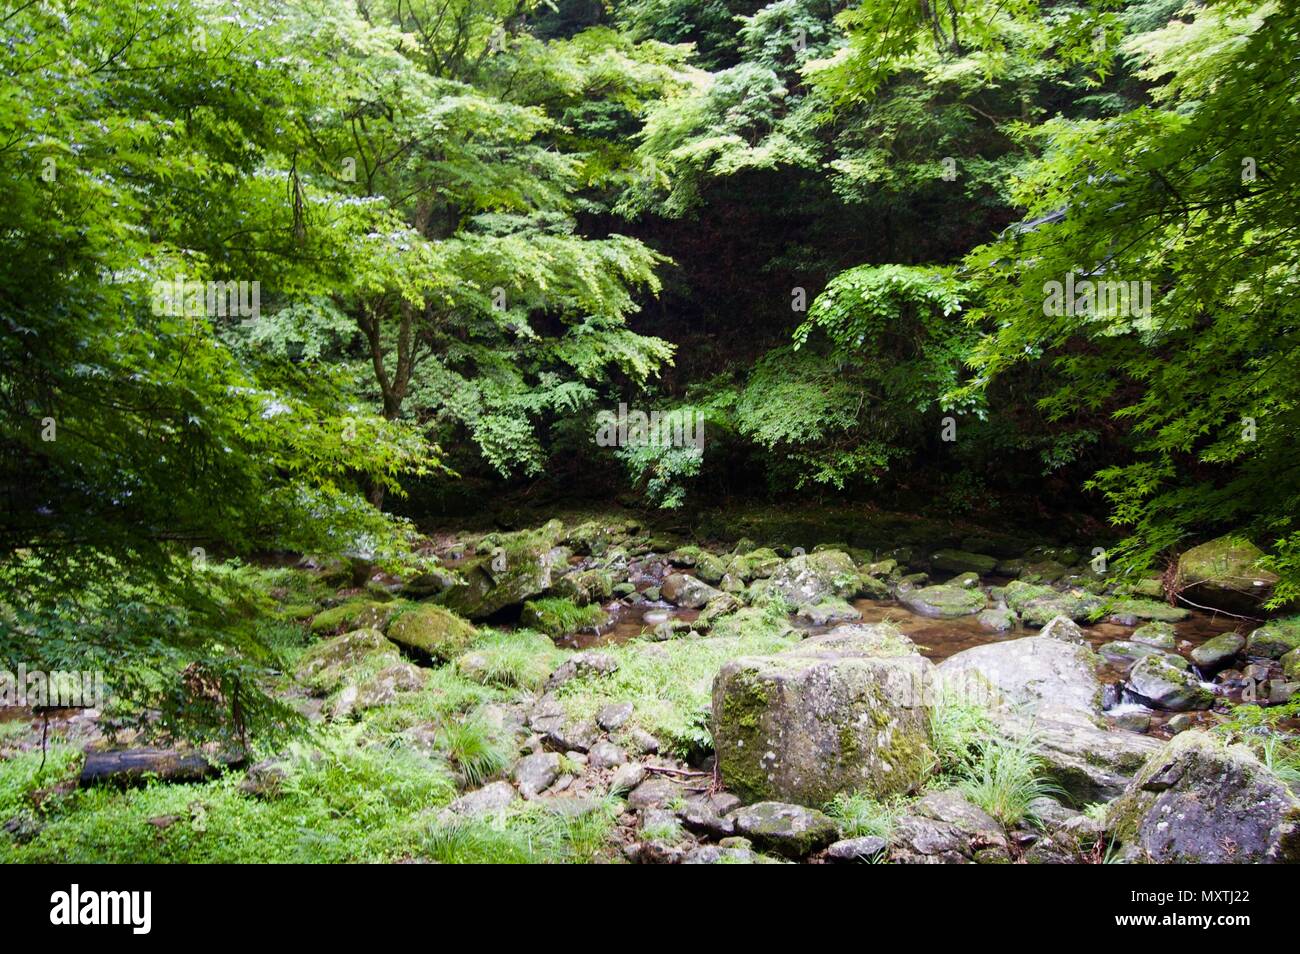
[
  {"x": 1003, "y": 777},
  {"x": 530, "y": 833},
  {"x": 956, "y": 729},
  {"x": 478, "y": 752},
  {"x": 557, "y": 616},
  {"x": 521, "y": 659},
  {"x": 670, "y": 683},
  {"x": 860, "y": 815}
]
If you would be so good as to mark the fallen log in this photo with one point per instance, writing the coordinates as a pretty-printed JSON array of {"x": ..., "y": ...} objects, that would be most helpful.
[{"x": 126, "y": 767}]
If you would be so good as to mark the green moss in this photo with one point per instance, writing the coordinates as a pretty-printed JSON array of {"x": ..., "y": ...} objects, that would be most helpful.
[
  {"x": 558, "y": 617},
  {"x": 432, "y": 630}
]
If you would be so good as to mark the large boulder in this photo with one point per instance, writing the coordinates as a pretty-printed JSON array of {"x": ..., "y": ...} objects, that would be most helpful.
[
  {"x": 327, "y": 665},
  {"x": 1198, "y": 800},
  {"x": 1225, "y": 574},
  {"x": 814, "y": 577},
  {"x": 1168, "y": 682},
  {"x": 943, "y": 602},
  {"x": 1217, "y": 652},
  {"x": 837, "y": 713},
  {"x": 755, "y": 565},
  {"x": 1276, "y": 639},
  {"x": 514, "y": 568},
  {"x": 790, "y": 830},
  {"x": 960, "y": 561},
  {"x": 687, "y": 591},
  {"x": 433, "y": 631},
  {"x": 1037, "y": 604}
]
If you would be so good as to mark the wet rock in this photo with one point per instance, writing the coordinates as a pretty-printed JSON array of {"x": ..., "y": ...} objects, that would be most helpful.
[
  {"x": 688, "y": 591},
  {"x": 535, "y": 773},
  {"x": 840, "y": 712},
  {"x": 1168, "y": 682},
  {"x": 814, "y": 577},
  {"x": 792, "y": 831},
  {"x": 856, "y": 850},
  {"x": 1181, "y": 722},
  {"x": 1159, "y": 635},
  {"x": 828, "y": 612},
  {"x": 1276, "y": 639},
  {"x": 1134, "y": 720},
  {"x": 998, "y": 620},
  {"x": 581, "y": 665},
  {"x": 433, "y": 631},
  {"x": 605, "y": 754},
  {"x": 1225, "y": 574},
  {"x": 612, "y": 716},
  {"x": 943, "y": 602},
  {"x": 1126, "y": 652},
  {"x": 1129, "y": 611},
  {"x": 489, "y": 799},
  {"x": 1200, "y": 801},
  {"x": 1218, "y": 652},
  {"x": 959, "y": 561}
]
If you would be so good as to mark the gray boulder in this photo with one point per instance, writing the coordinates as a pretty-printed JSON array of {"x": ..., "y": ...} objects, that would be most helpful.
[
  {"x": 1218, "y": 652},
  {"x": 789, "y": 830},
  {"x": 1168, "y": 682},
  {"x": 687, "y": 591},
  {"x": 943, "y": 601},
  {"x": 814, "y": 577}
]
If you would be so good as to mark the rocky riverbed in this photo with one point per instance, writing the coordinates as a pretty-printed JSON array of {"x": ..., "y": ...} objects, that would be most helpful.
[{"x": 704, "y": 699}]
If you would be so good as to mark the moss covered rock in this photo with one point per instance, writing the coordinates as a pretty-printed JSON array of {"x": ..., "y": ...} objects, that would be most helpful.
[
  {"x": 514, "y": 568},
  {"x": 1218, "y": 652},
  {"x": 354, "y": 614},
  {"x": 1128, "y": 611},
  {"x": 327, "y": 665},
  {"x": 960, "y": 561},
  {"x": 1276, "y": 639},
  {"x": 1037, "y": 604},
  {"x": 793, "y": 831},
  {"x": 1225, "y": 574},
  {"x": 944, "y": 601},
  {"x": 561, "y": 617},
  {"x": 687, "y": 591},
  {"x": 1159, "y": 635},
  {"x": 432, "y": 630},
  {"x": 1168, "y": 682},
  {"x": 837, "y": 713},
  {"x": 1200, "y": 801},
  {"x": 813, "y": 577}
]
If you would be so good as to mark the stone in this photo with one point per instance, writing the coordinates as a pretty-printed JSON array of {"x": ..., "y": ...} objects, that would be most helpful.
[
  {"x": 999, "y": 620},
  {"x": 942, "y": 601},
  {"x": 535, "y": 773},
  {"x": 1181, "y": 722},
  {"x": 265, "y": 779},
  {"x": 1291, "y": 664},
  {"x": 944, "y": 827},
  {"x": 1127, "y": 652},
  {"x": 581, "y": 665},
  {"x": 960, "y": 561},
  {"x": 1225, "y": 574},
  {"x": 754, "y": 565},
  {"x": 688, "y": 592},
  {"x": 828, "y": 612},
  {"x": 353, "y": 615},
  {"x": 840, "y": 712},
  {"x": 611, "y": 716},
  {"x": 1158, "y": 634},
  {"x": 1275, "y": 640},
  {"x": 433, "y": 631},
  {"x": 605, "y": 754},
  {"x": 1037, "y": 605},
  {"x": 1168, "y": 682},
  {"x": 489, "y": 799},
  {"x": 1036, "y": 673},
  {"x": 792, "y": 831},
  {"x": 1218, "y": 652},
  {"x": 1128, "y": 611},
  {"x": 655, "y": 792},
  {"x": 1201, "y": 801},
  {"x": 856, "y": 850},
  {"x": 325, "y": 666},
  {"x": 514, "y": 568},
  {"x": 572, "y": 736},
  {"x": 813, "y": 577},
  {"x": 627, "y": 777},
  {"x": 701, "y": 816}
]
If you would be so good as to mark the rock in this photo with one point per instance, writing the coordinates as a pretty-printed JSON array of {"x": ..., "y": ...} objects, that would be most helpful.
[
  {"x": 856, "y": 850},
  {"x": 814, "y": 577},
  {"x": 1038, "y": 605},
  {"x": 625, "y": 589},
  {"x": 1181, "y": 722},
  {"x": 581, "y": 665},
  {"x": 754, "y": 565},
  {"x": 641, "y": 741},
  {"x": 998, "y": 620},
  {"x": 605, "y": 754},
  {"x": 1128, "y": 611},
  {"x": 943, "y": 602},
  {"x": 1041, "y": 571},
  {"x": 964, "y": 580},
  {"x": 702, "y": 816},
  {"x": 1126, "y": 652},
  {"x": 583, "y": 588},
  {"x": 1133, "y": 719},
  {"x": 654, "y": 792},
  {"x": 840, "y": 712},
  {"x": 1218, "y": 652},
  {"x": 432, "y": 630},
  {"x": 959, "y": 561},
  {"x": 1168, "y": 682},
  {"x": 943, "y": 827},
  {"x": 1159, "y": 635},
  {"x": 489, "y": 799},
  {"x": 710, "y": 568},
  {"x": 828, "y": 612},
  {"x": 1276, "y": 639},
  {"x": 573, "y": 736},
  {"x": 717, "y": 608},
  {"x": 612, "y": 716},
  {"x": 518, "y": 567},
  {"x": 1040, "y": 673},
  {"x": 382, "y": 688},
  {"x": 790, "y": 830},
  {"x": 1225, "y": 574},
  {"x": 1203, "y": 802},
  {"x": 561, "y": 616},
  {"x": 265, "y": 779},
  {"x": 627, "y": 777},
  {"x": 353, "y": 615},
  {"x": 687, "y": 591},
  {"x": 534, "y": 773},
  {"x": 326, "y": 665},
  {"x": 1291, "y": 664}
]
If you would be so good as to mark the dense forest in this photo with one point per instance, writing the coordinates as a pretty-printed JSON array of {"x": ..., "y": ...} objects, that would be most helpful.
[{"x": 551, "y": 430}]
